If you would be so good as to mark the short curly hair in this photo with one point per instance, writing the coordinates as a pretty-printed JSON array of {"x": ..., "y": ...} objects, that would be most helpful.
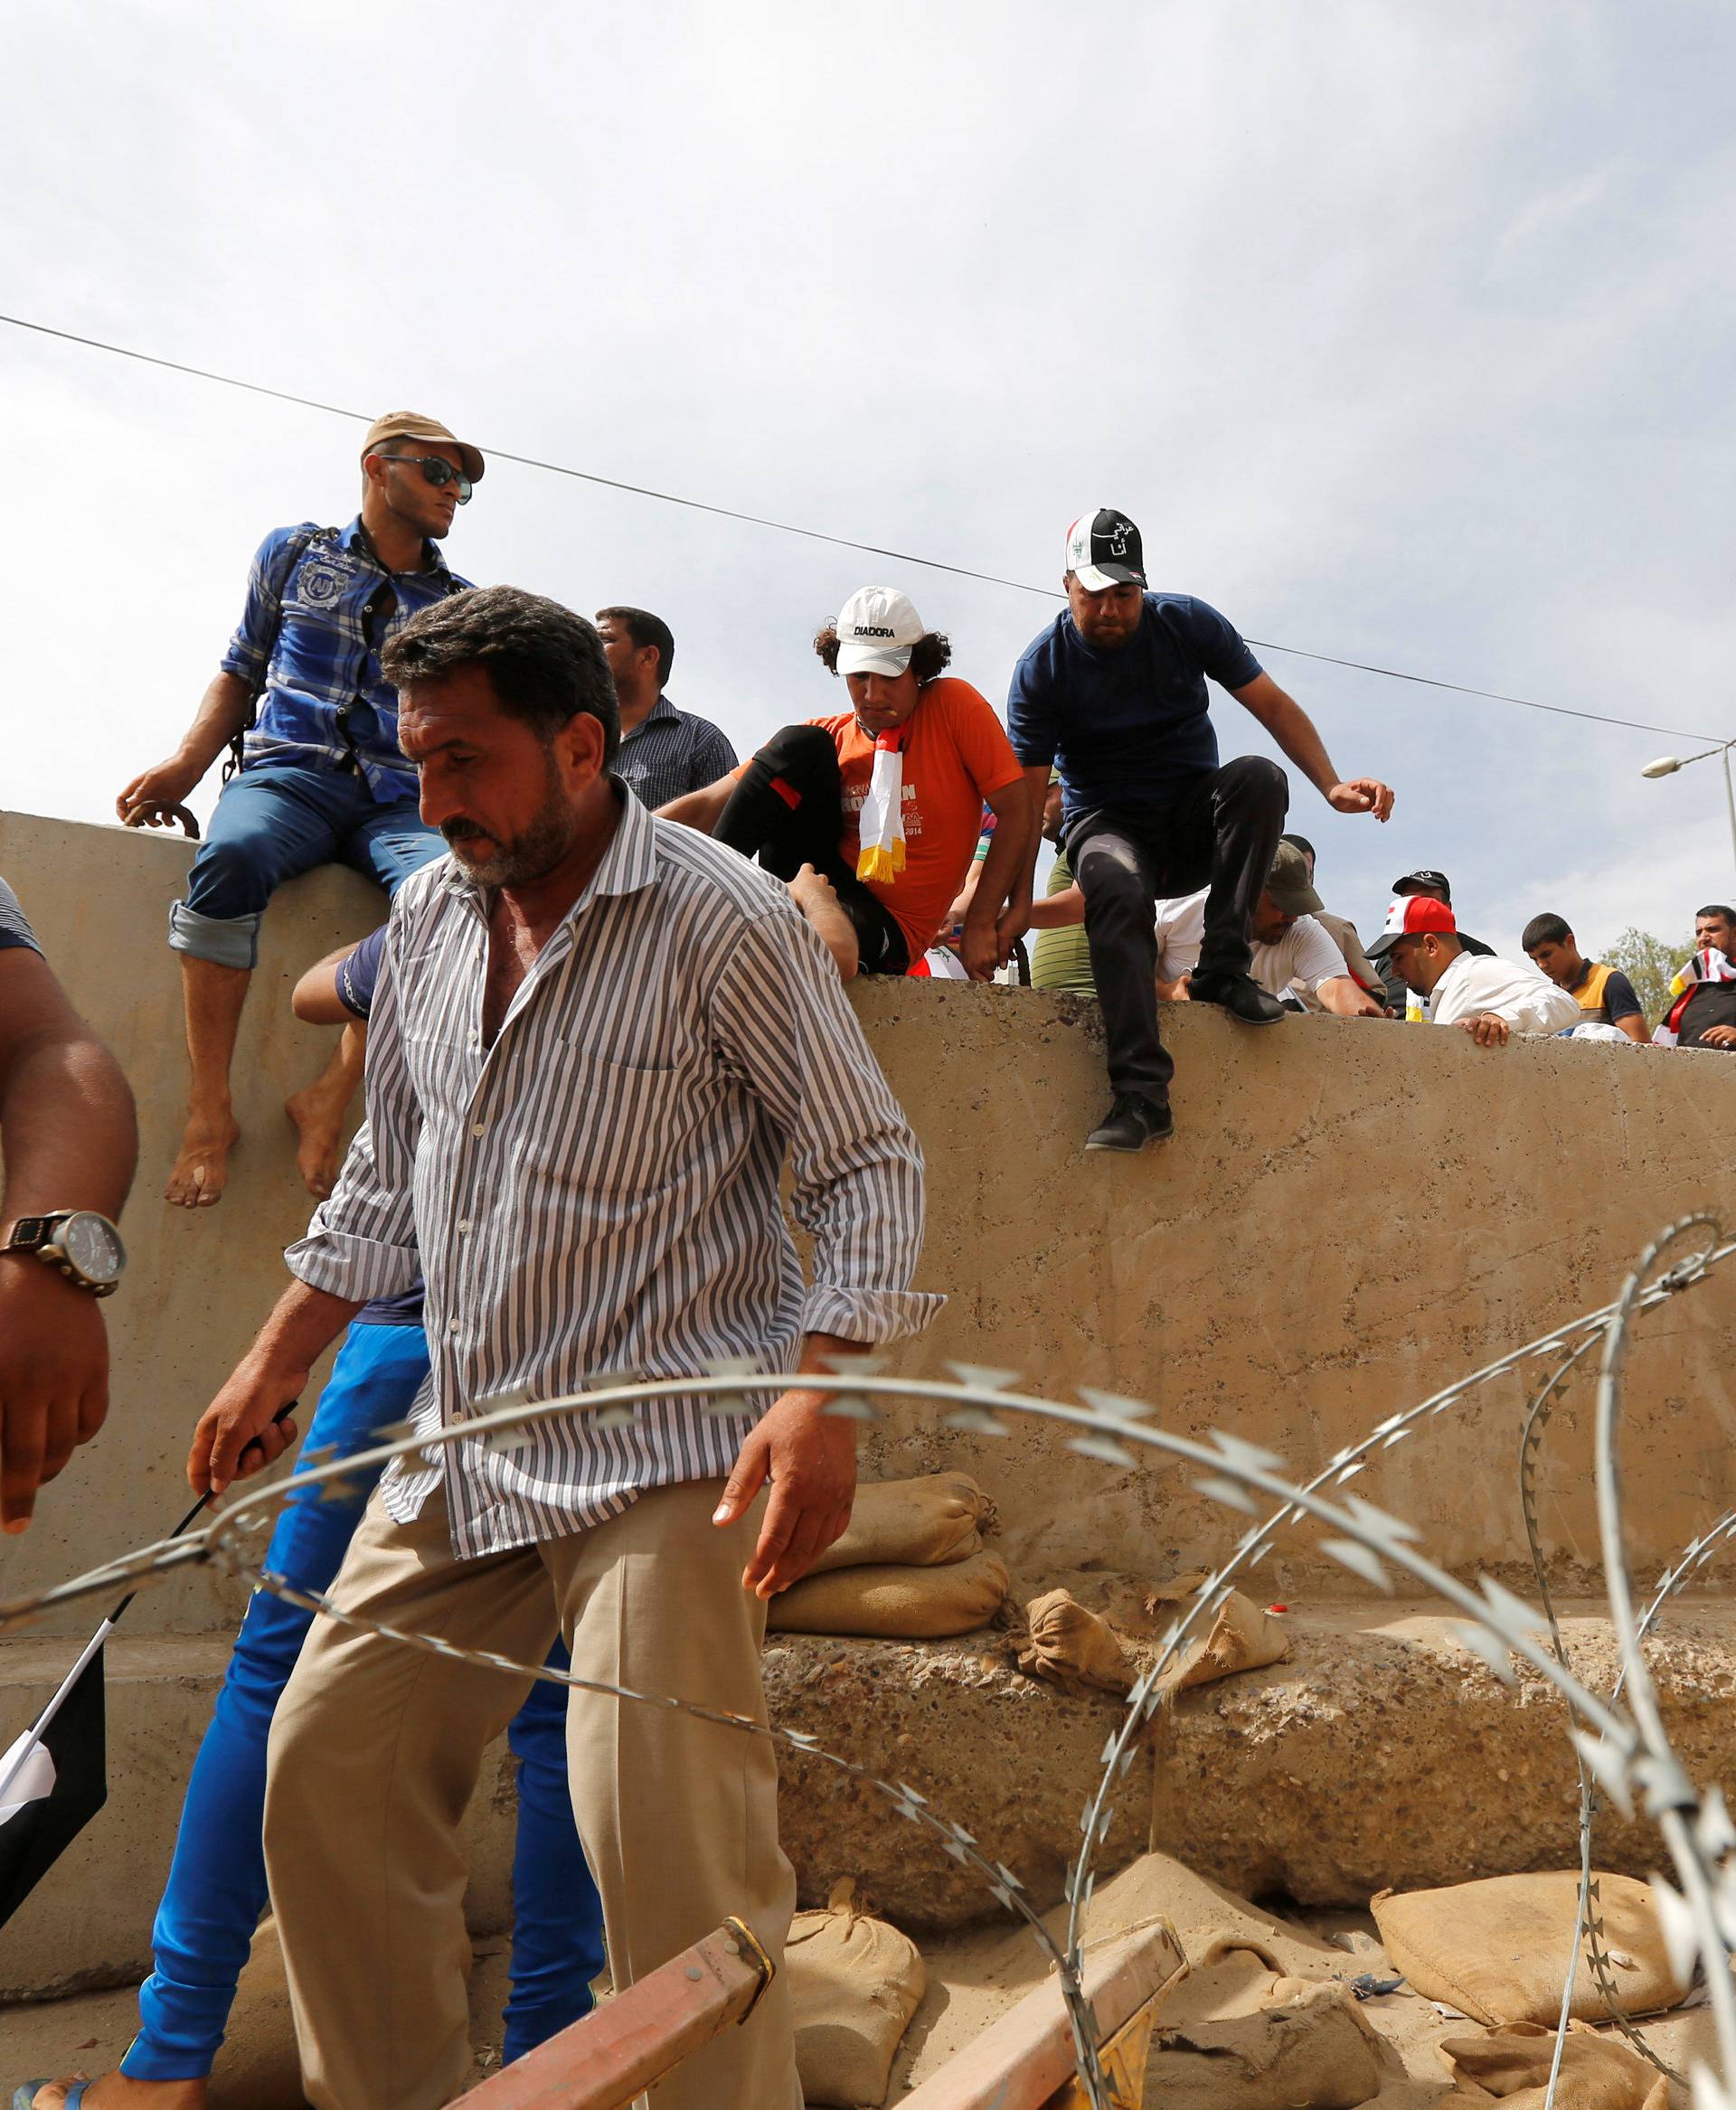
[{"x": 930, "y": 655}]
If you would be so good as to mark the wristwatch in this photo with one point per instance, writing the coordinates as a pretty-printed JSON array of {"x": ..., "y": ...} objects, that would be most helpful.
[{"x": 85, "y": 1246}]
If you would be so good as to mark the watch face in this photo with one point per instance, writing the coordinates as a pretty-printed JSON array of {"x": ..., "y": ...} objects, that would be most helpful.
[{"x": 93, "y": 1245}]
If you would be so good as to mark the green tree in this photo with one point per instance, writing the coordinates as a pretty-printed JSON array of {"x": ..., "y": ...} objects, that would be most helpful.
[{"x": 1648, "y": 963}]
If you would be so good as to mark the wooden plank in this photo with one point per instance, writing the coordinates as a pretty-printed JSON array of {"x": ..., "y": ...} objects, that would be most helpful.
[
  {"x": 603, "y": 2062},
  {"x": 1022, "y": 2061},
  {"x": 1124, "y": 2059}
]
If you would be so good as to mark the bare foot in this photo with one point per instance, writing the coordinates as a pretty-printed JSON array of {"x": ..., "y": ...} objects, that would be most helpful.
[
  {"x": 115, "y": 2091},
  {"x": 201, "y": 1169},
  {"x": 317, "y": 1112}
]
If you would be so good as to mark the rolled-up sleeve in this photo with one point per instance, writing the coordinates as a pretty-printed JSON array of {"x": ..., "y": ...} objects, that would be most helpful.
[
  {"x": 255, "y": 636},
  {"x": 362, "y": 1241},
  {"x": 783, "y": 1026}
]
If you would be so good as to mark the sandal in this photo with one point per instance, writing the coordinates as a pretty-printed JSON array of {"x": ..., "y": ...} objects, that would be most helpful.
[{"x": 24, "y": 2099}]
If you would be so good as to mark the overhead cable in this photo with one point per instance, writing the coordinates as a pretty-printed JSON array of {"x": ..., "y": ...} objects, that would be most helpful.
[{"x": 784, "y": 527}]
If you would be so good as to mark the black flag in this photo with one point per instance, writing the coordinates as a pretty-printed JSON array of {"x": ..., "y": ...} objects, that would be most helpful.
[{"x": 63, "y": 1786}]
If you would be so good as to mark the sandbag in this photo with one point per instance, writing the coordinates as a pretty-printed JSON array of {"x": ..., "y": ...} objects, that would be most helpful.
[
  {"x": 913, "y": 1524},
  {"x": 854, "y": 1983},
  {"x": 1242, "y": 1638},
  {"x": 1497, "y": 1950},
  {"x": 1237, "y": 2034},
  {"x": 899, "y": 1603},
  {"x": 1071, "y": 1647},
  {"x": 1511, "y": 2066}
]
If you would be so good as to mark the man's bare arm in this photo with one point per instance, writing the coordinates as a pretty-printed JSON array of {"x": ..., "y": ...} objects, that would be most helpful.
[
  {"x": 809, "y": 1458},
  {"x": 1633, "y": 1025},
  {"x": 71, "y": 1141},
  {"x": 274, "y": 1371},
  {"x": 701, "y": 809},
  {"x": 1000, "y": 907},
  {"x": 315, "y": 999},
  {"x": 1294, "y": 731},
  {"x": 221, "y": 714},
  {"x": 1345, "y": 998}
]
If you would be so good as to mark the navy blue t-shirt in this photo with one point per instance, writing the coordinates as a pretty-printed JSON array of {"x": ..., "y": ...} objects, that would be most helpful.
[
  {"x": 1131, "y": 729},
  {"x": 358, "y": 976}
]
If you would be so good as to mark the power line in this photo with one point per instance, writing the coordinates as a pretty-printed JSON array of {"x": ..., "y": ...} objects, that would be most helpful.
[{"x": 784, "y": 527}]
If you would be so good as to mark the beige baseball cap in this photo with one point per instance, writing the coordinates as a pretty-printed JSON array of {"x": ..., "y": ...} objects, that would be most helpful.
[{"x": 412, "y": 424}]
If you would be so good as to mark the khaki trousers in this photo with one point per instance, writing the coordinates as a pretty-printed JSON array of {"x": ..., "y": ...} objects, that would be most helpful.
[{"x": 377, "y": 1745}]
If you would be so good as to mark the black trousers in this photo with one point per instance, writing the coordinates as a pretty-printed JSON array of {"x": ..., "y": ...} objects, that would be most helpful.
[
  {"x": 787, "y": 810},
  {"x": 1222, "y": 833}
]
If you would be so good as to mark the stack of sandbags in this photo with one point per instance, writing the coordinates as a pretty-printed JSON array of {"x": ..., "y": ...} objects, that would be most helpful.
[
  {"x": 910, "y": 1567},
  {"x": 1511, "y": 2065},
  {"x": 1497, "y": 1950},
  {"x": 855, "y": 1983}
]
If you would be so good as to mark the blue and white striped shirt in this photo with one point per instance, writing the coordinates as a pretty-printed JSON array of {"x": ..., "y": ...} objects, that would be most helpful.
[
  {"x": 320, "y": 605},
  {"x": 14, "y": 928},
  {"x": 598, "y": 1191}
]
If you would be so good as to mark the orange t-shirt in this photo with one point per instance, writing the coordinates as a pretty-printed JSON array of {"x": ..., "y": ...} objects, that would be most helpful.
[{"x": 956, "y": 752}]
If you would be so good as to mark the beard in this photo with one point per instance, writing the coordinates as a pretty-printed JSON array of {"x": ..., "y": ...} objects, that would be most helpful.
[{"x": 528, "y": 856}]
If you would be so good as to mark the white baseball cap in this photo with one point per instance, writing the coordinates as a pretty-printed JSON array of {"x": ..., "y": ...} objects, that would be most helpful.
[{"x": 876, "y": 631}]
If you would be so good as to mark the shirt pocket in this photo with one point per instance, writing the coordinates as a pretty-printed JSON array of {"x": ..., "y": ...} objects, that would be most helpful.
[{"x": 619, "y": 1130}]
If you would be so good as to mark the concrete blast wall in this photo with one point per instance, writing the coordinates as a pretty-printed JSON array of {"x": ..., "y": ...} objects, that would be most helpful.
[{"x": 1350, "y": 1215}]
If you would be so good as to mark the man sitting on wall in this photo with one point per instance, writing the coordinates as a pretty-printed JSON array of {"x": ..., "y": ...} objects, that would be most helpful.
[
  {"x": 1604, "y": 994},
  {"x": 871, "y": 818},
  {"x": 322, "y": 776},
  {"x": 1488, "y": 996}
]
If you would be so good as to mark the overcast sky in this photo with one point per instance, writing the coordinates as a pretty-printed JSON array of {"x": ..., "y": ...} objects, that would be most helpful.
[{"x": 1403, "y": 330}]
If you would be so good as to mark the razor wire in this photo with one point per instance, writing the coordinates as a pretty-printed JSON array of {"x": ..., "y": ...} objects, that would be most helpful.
[
  {"x": 1587, "y": 1923},
  {"x": 1621, "y": 1753}
]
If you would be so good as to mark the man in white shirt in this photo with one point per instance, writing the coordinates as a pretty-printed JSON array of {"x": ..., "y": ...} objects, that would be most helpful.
[
  {"x": 1488, "y": 996},
  {"x": 1288, "y": 944}
]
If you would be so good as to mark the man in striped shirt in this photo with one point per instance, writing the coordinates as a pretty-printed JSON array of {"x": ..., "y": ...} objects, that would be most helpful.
[
  {"x": 664, "y": 753},
  {"x": 594, "y": 1038}
]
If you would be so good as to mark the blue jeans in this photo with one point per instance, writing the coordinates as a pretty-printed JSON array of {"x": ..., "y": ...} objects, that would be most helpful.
[
  {"x": 217, "y": 1888},
  {"x": 272, "y": 822}
]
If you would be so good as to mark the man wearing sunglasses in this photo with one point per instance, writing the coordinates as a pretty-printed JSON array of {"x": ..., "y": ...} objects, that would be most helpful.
[{"x": 319, "y": 776}]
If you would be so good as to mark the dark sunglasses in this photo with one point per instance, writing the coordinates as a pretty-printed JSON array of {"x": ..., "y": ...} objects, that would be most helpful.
[{"x": 439, "y": 473}]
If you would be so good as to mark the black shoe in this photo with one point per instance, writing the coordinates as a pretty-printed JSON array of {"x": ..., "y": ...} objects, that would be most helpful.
[
  {"x": 1131, "y": 1123},
  {"x": 1240, "y": 994}
]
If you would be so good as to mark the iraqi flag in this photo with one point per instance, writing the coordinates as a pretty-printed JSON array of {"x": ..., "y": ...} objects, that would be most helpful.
[{"x": 52, "y": 1780}]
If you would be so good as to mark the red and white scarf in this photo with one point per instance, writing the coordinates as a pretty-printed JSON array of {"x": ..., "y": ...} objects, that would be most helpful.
[
  {"x": 1707, "y": 965},
  {"x": 881, "y": 822}
]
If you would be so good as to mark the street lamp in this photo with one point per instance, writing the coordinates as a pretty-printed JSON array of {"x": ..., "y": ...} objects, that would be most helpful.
[{"x": 1667, "y": 766}]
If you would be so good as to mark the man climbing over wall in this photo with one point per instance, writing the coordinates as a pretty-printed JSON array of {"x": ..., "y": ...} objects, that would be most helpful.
[
  {"x": 1114, "y": 690},
  {"x": 1488, "y": 997},
  {"x": 595, "y": 1036},
  {"x": 871, "y": 818},
  {"x": 216, "y": 1889},
  {"x": 322, "y": 778}
]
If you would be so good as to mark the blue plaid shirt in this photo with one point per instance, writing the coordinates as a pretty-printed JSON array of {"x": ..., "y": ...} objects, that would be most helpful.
[{"x": 320, "y": 605}]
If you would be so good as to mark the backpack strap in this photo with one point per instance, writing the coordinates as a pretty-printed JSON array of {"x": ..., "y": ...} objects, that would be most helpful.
[{"x": 294, "y": 550}]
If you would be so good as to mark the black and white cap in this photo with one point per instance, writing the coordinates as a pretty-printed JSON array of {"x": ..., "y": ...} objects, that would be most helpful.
[{"x": 1103, "y": 550}]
